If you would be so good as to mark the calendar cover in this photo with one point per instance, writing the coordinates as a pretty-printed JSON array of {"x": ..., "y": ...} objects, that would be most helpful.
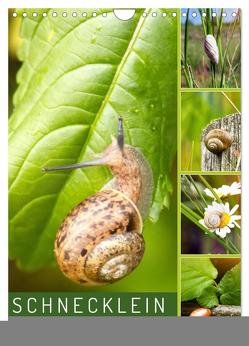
[{"x": 124, "y": 162}]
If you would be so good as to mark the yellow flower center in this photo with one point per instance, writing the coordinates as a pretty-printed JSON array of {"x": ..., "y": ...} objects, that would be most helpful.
[{"x": 224, "y": 220}]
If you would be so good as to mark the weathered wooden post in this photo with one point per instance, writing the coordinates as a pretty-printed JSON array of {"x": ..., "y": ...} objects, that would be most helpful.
[{"x": 221, "y": 148}]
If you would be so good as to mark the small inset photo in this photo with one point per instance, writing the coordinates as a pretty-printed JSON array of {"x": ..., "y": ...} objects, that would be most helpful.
[
  {"x": 210, "y": 214},
  {"x": 210, "y": 131},
  {"x": 210, "y": 48},
  {"x": 210, "y": 287}
]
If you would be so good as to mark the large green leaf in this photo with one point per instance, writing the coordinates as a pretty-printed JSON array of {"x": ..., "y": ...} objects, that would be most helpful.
[
  {"x": 197, "y": 274},
  {"x": 208, "y": 297},
  {"x": 78, "y": 75},
  {"x": 229, "y": 287}
]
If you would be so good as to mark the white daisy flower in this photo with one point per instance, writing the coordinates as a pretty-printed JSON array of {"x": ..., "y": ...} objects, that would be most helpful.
[
  {"x": 225, "y": 190},
  {"x": 220, "y": 219}
]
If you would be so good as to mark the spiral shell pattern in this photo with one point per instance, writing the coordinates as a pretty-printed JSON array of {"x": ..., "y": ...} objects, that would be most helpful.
[
  {"x": 99, "y": 242},
  {"x": 218, "y": 140},
  {"x": 211, "y": 49},
  {"x": 212, "y": 219}
]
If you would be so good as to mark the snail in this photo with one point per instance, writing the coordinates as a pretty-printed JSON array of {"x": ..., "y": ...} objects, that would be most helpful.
[
  {"x": 100, "y": 240},
  {"x": 201, "y": 312},
  {"x": 213, "y": 219},
  {"x": 211, "y": 48},
  {"x": 218, "y": 140}
]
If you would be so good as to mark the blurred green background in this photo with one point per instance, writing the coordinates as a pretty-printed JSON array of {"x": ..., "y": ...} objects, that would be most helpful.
[
  {"x": 158, "y": 269},
  {"x": 198, "y": 109},
  {"x": 193, "y": 239}
]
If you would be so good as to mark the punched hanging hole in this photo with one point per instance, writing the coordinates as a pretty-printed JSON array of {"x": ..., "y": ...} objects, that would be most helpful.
[
  {"x": 124, "y": 14},
  {"x": 14, "y": 14}
]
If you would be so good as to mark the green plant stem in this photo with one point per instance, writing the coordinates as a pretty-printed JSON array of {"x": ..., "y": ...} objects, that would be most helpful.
[
  {"x": 230, "y": 101},
  {"x": 210, "y": 188},
  {"x": 192, "y": 77},
  {"x": 195, "y": 205},
  {"x": 225, "y": 54},
  {"x": 218, "y": 37},
  {"x": 198, "y": 191},
  {"x": 203, "y": 22},
  {"x": 214, "y": 74},
  {"x": 208, "y": 21},
  {"x": 186, "y": 40},
  {"x": 186, "y": 77},
  {"x": 192, "y": 213}
]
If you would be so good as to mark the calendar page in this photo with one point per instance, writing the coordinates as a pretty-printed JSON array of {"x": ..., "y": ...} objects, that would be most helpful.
[{"x": 124, "y": 162}]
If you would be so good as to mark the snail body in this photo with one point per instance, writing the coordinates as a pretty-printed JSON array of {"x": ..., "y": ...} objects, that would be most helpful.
[
  {"x": 217, "y": 141},
  {"x": 100, "y": 241}
]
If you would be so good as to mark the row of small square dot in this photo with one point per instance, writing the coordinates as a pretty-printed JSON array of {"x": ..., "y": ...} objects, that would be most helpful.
[
  {"x": 84, "y": 14},
  {"x": 214, "y": 14}
]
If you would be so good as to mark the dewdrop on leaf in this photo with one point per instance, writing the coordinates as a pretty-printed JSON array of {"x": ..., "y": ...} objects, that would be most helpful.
[{"x": 211, "y": 49}]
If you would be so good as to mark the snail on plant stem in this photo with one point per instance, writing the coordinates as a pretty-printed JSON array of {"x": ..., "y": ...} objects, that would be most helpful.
[{"x": 100, "y": 240}]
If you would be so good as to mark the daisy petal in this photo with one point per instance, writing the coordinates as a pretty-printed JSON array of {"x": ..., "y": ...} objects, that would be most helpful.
[{"x": 233, "y": 210}]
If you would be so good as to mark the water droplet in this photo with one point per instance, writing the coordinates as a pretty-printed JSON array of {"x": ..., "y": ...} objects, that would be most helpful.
[
  {"x": 136, "y": 110},
  {"x": 153, "y": 128},
  {"x": 152, "y": 105}
]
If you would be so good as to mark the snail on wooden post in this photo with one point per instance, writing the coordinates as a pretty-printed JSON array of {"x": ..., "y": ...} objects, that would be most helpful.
[
  {"x": 100, "y": 240},
  {"x": 217, "y": 140}
]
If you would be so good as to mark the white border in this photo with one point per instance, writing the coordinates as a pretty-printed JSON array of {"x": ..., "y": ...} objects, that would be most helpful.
[{"x": 113, "y": 4}]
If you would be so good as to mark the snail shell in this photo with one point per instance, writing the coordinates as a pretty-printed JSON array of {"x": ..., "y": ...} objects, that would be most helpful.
[
  {"x": 211, "y": 49},
  {"x": 218, "y": 140},
  {"x": 100, "y": 241},
  {"x": 212, "y": 219},
  {"x": 201, "y": 312}
]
